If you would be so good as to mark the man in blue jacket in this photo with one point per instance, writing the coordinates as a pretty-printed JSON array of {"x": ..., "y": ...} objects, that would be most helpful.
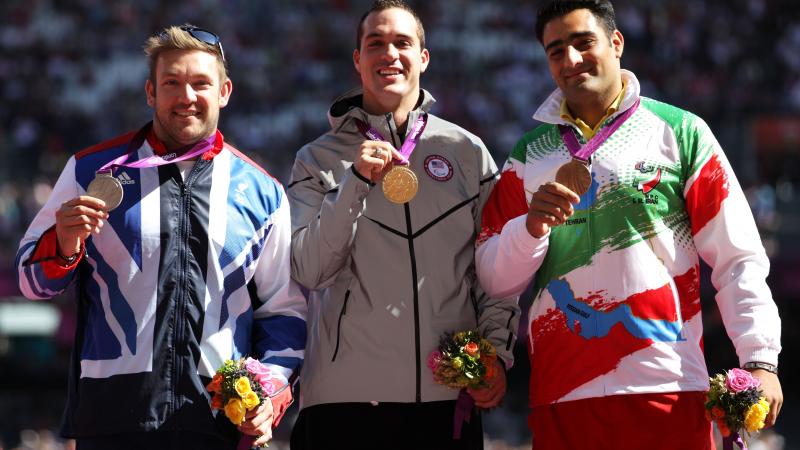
[{"x": 179, "y": 246}]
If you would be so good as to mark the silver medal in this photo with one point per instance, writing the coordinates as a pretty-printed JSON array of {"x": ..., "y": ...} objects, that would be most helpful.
[{"x": 106, "y": 188}]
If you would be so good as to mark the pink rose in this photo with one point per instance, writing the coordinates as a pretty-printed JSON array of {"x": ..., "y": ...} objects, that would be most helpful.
[
  {"x": 738, "y": 380},
  {"x": 268, "y": 384},
  {"x": 260, "y": 371},
  {"x": 433, "y": 359}
]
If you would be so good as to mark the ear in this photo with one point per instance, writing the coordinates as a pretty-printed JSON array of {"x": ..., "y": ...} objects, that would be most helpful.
[
  {"x": 356, "y": 60},
  {"x": 618, "y": 42},
  {"x": 225, "y": 93},
  {"x": 150, "y": 91},
  {"x": 425, "y": 58}
]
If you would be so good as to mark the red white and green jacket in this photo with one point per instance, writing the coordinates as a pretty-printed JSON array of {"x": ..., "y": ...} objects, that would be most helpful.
[{"x": 616, "y": 305}]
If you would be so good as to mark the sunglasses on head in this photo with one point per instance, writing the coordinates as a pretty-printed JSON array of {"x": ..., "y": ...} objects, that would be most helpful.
[{"x": 203, "y": 36}]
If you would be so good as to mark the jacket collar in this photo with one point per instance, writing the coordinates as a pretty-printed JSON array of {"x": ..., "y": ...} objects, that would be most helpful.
[
  {"x": 550, "y": 109},
  {"x": 349, "y": 106},
  {"x": 160, "y": 149}
]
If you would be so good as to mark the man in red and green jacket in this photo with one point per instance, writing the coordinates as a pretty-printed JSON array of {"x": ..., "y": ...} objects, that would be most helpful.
[{"x": 615, "y": 327}]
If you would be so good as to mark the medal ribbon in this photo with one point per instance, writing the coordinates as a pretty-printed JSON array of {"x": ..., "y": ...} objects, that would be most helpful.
[
  {"x": 408, "y": 144},
  {"x": 583, "y": 153},
  {"x": 734, "y": 438},
  {"x": 156, "y": 160}
]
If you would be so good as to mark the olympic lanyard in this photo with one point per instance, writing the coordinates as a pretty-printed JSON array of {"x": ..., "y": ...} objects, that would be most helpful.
[
  {"x": 409, "y": 143},
  {"x": 157, "y": 160},
  {"x": 583, "y": 153}
]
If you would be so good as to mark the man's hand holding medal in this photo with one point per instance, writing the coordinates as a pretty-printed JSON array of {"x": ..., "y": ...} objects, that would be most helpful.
[
  {"x": 379, "y": 159},
  {"x": 375, "y": 159},
  {"x": 76, "y": 220},
  {"x": 551, "y": 205}
]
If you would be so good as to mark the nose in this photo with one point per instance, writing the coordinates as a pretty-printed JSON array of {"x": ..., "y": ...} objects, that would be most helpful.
[
  {"x": 188, "y": 94},
  {"x": 391, "y": 53},
  {"x": 573, "y": 57}
]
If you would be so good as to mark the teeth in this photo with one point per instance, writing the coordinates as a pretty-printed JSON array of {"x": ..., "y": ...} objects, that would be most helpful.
[
  {"x": 186, "y": 114},
  {"x": 389, "y": 72}
]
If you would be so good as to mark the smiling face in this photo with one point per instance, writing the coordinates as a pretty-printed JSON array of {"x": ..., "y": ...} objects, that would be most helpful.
[
  {"x": 186, "y": 96},
  {"x": 584, "y": 60},
  {"x": 390, "y": 61}
]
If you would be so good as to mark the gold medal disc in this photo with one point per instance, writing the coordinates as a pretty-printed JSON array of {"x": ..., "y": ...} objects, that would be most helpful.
[
  {"x": 576, "y": 176},
  {"x": 400, "y": 185},
  {"x": 106, "y": 188}
]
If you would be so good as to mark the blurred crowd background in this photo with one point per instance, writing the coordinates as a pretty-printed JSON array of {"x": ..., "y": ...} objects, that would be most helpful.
[{"x": 72, "y": 74}]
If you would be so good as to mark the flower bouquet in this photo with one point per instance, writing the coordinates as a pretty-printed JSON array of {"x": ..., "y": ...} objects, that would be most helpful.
[
  {"x": 463, "y": 360},
  {"x": 735, "y": 403},
  {"x": 238, "y": 387}
]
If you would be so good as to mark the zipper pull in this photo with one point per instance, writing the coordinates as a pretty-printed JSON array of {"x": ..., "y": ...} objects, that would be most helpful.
[{"x": 392, "y": 130}]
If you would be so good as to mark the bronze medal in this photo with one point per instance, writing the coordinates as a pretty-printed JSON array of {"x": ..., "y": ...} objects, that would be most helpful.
[
  {"x": 106, "y": 188},
  {"x": 575, "y": 175},
  {"x": 400, "y": 185}
]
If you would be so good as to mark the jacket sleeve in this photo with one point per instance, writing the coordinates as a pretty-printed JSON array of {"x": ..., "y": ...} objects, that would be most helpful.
[
  {"x": 323, "y": 221},
  {"x": 39, "y": 273},
  {"x": 726, "y": 237},
  {"x": 498, "y": 316},
  {"x": 279, "y": 309},
  {"x": 507, "y": 256}
]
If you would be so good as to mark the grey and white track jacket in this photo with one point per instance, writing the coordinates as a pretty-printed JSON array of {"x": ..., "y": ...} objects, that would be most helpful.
[{"x": 387, "y": 280}]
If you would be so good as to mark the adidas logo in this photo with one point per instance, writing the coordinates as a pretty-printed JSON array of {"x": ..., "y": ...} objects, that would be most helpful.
[{"x": 124, "y": 178}]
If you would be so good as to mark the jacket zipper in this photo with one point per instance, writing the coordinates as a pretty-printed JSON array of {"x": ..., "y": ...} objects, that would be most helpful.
[
  {"x": 589, "y": 230},
  {"x": 392, "y": 131},
  {"x": 416, "y": 302},
  {"x": 339, "y": 324},
  {"x": 182, "y": 292},
  {"x": 410, "y": 237}
]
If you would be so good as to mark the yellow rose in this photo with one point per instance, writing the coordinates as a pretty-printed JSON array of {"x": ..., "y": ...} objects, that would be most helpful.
[
  {"x": 250, "y": 400},
  {"x": 235, "y": 411},
  {"x": 242, "y": 386},
  {"x": 754, "y": 418}
]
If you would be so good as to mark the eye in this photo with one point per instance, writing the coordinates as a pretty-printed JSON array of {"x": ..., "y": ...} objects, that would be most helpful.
[
  {"x": 555, "y": 53},
  {"x": 584, "y": 44}
]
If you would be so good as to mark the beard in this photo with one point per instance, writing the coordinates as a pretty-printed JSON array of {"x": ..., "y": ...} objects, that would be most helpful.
[{"x": 175, "y": 132}]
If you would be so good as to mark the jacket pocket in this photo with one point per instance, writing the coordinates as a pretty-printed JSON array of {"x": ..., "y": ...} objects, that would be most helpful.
[
  {"x": 510, "y": 331},
  {"x": 475, "y": 308},
  {"x": 339, "y": 324}
]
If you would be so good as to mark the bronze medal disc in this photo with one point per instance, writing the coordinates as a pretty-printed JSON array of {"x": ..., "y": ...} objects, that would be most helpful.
[
  {"x": 576, "y": 176},
  {"x": 400, "y": 185},
  {"x": 106, "y": 188}
]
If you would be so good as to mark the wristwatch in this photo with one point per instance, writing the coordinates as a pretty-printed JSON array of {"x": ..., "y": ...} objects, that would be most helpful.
[{"x": 761, "y": 365}]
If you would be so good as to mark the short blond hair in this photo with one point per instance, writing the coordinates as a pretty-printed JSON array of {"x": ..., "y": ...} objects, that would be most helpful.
[{"x": 177, "y": 38}]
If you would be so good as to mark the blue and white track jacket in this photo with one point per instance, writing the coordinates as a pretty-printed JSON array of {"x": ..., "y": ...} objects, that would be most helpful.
[{"x": 183, "y": 275}]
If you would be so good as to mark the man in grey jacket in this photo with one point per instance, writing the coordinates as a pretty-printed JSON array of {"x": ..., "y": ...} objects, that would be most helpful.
[{"x": 388, "y": 257}]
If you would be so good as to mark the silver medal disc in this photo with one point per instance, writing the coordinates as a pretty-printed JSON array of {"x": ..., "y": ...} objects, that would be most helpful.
[{"x": 106, "y": 188}]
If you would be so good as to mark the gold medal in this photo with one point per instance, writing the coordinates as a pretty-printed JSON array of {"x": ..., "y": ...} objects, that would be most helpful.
[
  {"x": 106, "y": 188},
  {"x": 575, "y": 175},
  {"x": 400, "y": 185}
]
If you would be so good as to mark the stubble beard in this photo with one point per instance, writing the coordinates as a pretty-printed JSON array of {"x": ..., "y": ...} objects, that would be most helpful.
[{"x": 178, "y": 137}]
